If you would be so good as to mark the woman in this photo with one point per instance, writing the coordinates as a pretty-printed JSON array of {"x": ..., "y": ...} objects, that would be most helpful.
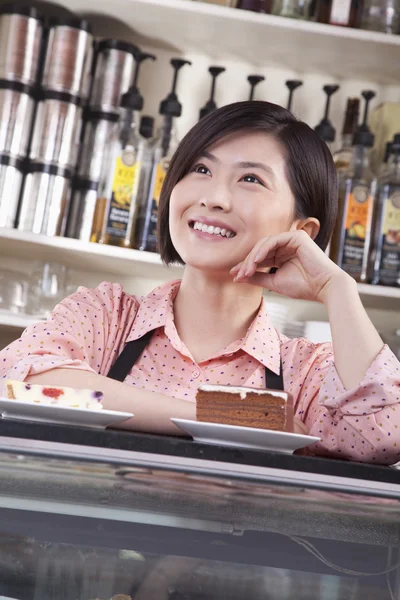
[{"x": 249, "y": 189}]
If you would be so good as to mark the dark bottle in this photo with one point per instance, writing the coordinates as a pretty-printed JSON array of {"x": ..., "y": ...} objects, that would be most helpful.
[
  {"x": 342, "y": 157},
  {"x": 292, "y": 85},
  {"x": 325, "y": 129},
  {"x": 254, "y": 80},
  {"x": 210, "y": 106},
  {"x": 165, "y": 145},
  {"x": 346, "y": 13},
  {"x": 263, "y": 6},
  {"x": 352, "y": 235},
  {"x": 385, "y": 255}
]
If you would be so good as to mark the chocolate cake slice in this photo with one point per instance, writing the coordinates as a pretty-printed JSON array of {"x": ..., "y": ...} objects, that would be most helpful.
[{"x": 246, "y": 407}]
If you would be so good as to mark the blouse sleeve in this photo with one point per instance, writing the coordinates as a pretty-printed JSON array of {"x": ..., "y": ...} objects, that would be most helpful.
[
  {"x": 85, "y": 331},
  {"x": 362, "y": 423}
]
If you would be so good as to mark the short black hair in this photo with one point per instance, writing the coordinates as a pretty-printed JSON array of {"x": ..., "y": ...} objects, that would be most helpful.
[{"x": 310, "y": 169}]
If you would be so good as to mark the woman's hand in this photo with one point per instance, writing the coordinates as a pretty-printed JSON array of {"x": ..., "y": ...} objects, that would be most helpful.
[{"x": 304, "y": 270}]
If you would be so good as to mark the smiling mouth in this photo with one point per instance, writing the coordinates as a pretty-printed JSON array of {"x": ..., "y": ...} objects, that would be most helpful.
[{"x": 211, "y": 230}]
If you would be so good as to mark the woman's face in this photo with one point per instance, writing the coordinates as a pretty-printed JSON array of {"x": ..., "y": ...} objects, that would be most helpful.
[{"x": 234, "y": 194}]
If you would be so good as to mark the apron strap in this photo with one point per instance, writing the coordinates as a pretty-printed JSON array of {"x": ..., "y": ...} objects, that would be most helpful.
[
  {"x": 133, "y": 350},
  {"x": 128, "y": 357}
]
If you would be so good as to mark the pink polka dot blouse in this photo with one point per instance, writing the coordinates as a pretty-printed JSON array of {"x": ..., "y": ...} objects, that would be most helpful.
[{"x": 89, "y": 329}]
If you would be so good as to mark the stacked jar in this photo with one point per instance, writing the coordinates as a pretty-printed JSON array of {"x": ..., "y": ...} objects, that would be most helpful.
[
  {"x": 113, "y": 74},
  {"x": 21, "y": 38},
  {"x": 63, "y": 90}
]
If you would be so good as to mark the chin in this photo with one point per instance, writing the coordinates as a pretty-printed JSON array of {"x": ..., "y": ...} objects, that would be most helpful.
[{"x": 211, "y": 265}]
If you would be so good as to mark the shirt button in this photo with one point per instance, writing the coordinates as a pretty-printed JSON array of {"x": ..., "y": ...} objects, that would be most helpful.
[{"x": 195, "y": 374}]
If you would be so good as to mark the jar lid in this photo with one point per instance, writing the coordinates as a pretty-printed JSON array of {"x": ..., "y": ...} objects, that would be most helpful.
[
  {"x": 26, "y": 10},
  {"x": 35, "y": 167},
  {"x": 17, "y": 86},
  {"x": 74, "y": 23},
  {"x": 60, "y": 96},
  {"x": 10, "y": 161},
  {"x": 85, "y": 185},
  {"x": 98, "y": 115},
  {"x": 114, "y": 44}
]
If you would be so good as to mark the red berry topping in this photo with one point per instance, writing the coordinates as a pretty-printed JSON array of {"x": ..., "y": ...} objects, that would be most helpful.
[{"x": 52, "y": 392}]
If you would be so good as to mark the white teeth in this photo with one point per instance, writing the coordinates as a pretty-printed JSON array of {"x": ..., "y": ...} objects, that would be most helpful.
[{"x": 210, "y": 229}]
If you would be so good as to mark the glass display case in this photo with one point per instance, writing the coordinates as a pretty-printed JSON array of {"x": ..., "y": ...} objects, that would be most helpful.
[{"x": 113, "y": 514}]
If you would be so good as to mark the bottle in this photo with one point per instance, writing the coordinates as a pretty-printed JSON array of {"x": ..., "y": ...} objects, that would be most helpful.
[
  {"x": 342, "y": 157},
  {"x": 292, "y": 9},
  {"x": 385, "y": 255},
  {"x": 253, "y": 81},
  {"x": 325, "y": 129},
  {"x": 352, "y": 234},
  {"x": 211, "y": 106},
  {"x": 292, "y": 85},
  {"x": 120, "y": 179},
  {"x": 165, "y": 146},
  {"x": 263, "y": 6},
  {"x": 147, "y": 145},
  {"x": 346, "y": 13}
]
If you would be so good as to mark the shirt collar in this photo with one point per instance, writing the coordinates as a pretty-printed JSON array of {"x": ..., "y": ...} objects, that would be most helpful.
[
  {"x": 155, "y": 310},
  {"x": 261, "y": 341}
]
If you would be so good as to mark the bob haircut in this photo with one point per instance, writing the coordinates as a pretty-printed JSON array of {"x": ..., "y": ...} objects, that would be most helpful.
[{"x": 310, "y": 170}]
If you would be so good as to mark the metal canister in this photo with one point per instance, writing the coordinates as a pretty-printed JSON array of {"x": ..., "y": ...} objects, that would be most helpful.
[
  {"x": 17, "y": 105},
  {"x": 98, "y": 131},
  {"x": 57, "y": 128},
  {"x": 11, "y": 175},
  {"x": 45, "y": 199},
  {"x": 69, "y": 57},
  {"x": 113, "y": 75},
  {"x": 82, "y": 211},
  {"x": 21, "y": 36}
]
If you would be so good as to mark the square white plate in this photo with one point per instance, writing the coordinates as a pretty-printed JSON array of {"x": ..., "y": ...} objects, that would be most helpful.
[
  {"x": 64, "y": 415},
  {"x": 245, "y": 437}
]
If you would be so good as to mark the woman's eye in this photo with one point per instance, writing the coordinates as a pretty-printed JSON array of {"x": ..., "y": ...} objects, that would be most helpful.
[
  {"x": 202, "y": 169},
  {"x": 252, "y": 179}
]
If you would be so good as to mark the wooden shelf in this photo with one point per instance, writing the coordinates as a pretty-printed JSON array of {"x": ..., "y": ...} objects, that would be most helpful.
[
  {"x": 117, "y": 262},
  {"x": 262, "y": 40},
  {"x": 84, "y": 256}
]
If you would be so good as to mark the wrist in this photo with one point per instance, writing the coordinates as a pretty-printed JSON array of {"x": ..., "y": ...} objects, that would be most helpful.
[{"x": 339, "y": 286}]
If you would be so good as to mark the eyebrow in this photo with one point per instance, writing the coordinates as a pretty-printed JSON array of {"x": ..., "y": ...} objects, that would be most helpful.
[{"x": 242, "y": 165}]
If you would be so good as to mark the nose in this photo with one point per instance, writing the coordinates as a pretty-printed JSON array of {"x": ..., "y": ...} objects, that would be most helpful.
[{"x": 217, "y": 197}]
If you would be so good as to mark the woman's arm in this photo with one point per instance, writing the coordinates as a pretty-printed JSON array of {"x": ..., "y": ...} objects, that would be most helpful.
[
  {"x": 356, "y": 343},
  {"x": 152, "y": 412}
]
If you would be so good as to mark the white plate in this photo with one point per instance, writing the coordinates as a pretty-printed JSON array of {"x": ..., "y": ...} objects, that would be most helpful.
[
  {"x": 245, "y": 437},
  {"x": 51, "y": 413}
]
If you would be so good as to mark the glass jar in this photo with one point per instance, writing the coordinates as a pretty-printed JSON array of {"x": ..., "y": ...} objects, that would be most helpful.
[
  {"x": 293, "y": 9},
  {"x": 381, "y": 15}
]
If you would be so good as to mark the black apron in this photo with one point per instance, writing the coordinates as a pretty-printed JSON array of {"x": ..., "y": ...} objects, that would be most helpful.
[{"x": 133, "y": 350}]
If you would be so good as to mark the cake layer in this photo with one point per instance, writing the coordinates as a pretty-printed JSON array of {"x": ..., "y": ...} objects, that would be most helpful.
[
  {"x": 62, "y": 396},
  {"x": 245, "y": 407}
]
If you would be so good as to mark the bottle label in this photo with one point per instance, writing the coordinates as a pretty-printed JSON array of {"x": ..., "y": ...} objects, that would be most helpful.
[
  {"x": 158, "y": 181},
  {"x": 389, "y": 268},
  {"x": 122, "y": 193},
  {"x": 357, "y": 229},
  {"x": 340, "y": 12}
]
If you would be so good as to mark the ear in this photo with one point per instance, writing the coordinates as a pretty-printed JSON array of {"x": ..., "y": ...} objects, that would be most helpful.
[{"x": 311, "y": 226}]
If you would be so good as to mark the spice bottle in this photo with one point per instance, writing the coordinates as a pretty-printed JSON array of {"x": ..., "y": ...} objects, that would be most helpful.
[
  {"x": 165, "y": 145},
  {"x": 211, "y": 105},
  {"x": 342, "y": 157},
  {"x": 385, "y": 255},
  {"x": 325, "y": 129},
  {"x": 346, "y": 13},
  {"x": 352, "y": 235},
  {"x": 292, "y": 85},
  {"x": 254, "y": 80},
  {"x": 120, "y": 180}
]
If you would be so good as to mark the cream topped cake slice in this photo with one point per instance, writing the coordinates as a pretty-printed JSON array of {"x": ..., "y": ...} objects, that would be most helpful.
[
  {"x": 245, "y": 407},
  {"x": 50, "y": 394}
]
